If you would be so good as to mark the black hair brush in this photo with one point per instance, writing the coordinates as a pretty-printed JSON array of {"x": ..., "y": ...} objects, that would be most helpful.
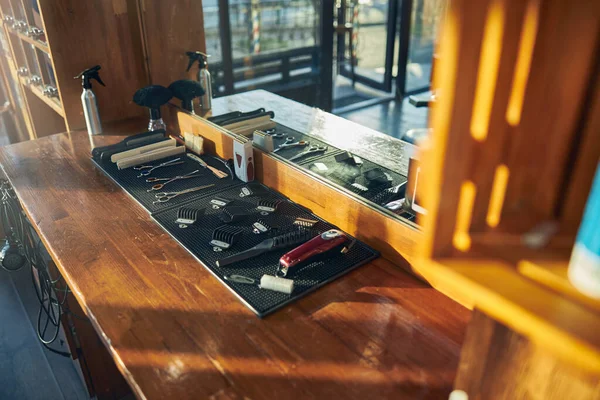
[
  {"x": 186, "y": 90},
  {"x": 153, "y": 97}
]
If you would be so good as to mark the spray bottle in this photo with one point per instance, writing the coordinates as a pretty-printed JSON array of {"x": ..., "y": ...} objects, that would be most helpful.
[
  {"x": 203, "y": 77},
  {"x": 88, "y": 100}
]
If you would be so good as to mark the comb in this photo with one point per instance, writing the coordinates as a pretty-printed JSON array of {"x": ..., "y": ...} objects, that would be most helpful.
[
  {"x": 187, "y": 216},
  {"x": 261, "y": 226},
  {"x": 305, "y": 222},
  {"x": 225, "y": 236},
  {"x": 267, "y": 206},
  {"x": 218, "y": 202}
]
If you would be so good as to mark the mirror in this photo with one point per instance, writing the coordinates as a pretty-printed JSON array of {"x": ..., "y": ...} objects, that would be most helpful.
[{"x": 368, "y": 64}]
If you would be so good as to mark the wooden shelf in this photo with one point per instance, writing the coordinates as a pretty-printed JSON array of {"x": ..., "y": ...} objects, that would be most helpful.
[
  {"x": 40, "y": 45},
  {"x": 559, "y": 324},
  {"x": 553, "y": 275},
  {"x": 52, "y": 103}
]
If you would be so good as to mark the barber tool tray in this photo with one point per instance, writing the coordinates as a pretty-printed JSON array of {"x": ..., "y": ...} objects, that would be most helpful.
[{"x": 268, "y": 250}]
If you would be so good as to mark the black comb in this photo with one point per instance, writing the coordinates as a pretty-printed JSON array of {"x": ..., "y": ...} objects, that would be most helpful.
[
  {"x": 305, "y": 222},
  {"x": 188, "y": 216},
  {"x": 261, "y": 226},
  {"x": 268, "y": 206},
  {"x": 225, "y": 236},
  {"x": 290, "y": 239}
]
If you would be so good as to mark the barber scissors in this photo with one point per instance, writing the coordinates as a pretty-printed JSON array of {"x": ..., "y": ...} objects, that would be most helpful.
[
  {"x": 158, "y": 186},
  {"x": 147, "y": 169},
  {"x": 163, "y": 197},
  {"x": 310, "y": 150},
  {"x": 290, "y": 143}
]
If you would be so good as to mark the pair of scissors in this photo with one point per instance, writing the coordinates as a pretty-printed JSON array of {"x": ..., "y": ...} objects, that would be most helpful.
[
  {"x": 310, "y": 150},
  {"x": 158, "y": 186},
  {"x": 290, "y": 143},
  {"x": 163, "y": 197},
  {"x": 147, "y": 169}
]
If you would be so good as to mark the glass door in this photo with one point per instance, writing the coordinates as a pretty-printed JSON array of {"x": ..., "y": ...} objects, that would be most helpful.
[{"x": 365, "y": 36}]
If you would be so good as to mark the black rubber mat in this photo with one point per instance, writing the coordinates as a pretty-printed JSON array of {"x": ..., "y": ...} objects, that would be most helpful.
[
  {"x": 196, "y": 239},
  {"x": 243, "y": 209},
  {"x": 138, "y": 187}
]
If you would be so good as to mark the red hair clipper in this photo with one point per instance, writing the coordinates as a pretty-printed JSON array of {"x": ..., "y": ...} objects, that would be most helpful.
[{"x": 325, "y": 242}]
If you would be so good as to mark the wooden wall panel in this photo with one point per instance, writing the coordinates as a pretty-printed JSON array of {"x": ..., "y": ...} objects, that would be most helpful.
[
  {"x": 82, "y": 34},
  {"x": 555, "y": 98},
  {"x": 170, "y": 29}
]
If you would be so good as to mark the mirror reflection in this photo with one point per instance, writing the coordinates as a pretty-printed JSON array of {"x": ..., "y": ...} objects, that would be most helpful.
[{"x": 340, "y": 89}]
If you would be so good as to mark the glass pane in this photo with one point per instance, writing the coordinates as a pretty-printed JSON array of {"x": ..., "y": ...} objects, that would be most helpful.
[
  {"x": 369, "y": 19},
  {"x": 426, "y": 17},
  {"x": 211, "y": 29},
  {"x": 271, "y": 26}
]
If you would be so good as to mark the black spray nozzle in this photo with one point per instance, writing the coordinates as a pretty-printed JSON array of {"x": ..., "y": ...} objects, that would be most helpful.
[
  {"x": 89, "y": 74},
  {"x": 197, "y": 56},
  {"x": 186, "y": 90}
]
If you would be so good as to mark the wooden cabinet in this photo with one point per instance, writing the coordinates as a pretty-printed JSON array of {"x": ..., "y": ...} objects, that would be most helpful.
[{"x": 51, "y": 41}]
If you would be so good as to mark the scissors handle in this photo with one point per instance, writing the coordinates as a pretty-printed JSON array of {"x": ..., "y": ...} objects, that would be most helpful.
[{"x": 165, "y": 196}]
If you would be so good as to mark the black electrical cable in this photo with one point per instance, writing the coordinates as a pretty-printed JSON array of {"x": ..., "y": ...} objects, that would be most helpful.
[{"x": 51, "y": 307}]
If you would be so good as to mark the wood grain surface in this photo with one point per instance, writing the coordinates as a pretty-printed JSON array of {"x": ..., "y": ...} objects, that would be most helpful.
[
  {"x": 176, "y": 332},
  {"x": 497, "y": 363}
]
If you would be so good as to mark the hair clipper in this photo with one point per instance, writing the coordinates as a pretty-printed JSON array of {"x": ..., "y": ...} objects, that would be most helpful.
[{"x": 324, "y": 243}]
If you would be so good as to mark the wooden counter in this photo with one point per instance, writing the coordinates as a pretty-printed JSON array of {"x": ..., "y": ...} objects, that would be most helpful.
[{"x": 176, "y": 332}]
